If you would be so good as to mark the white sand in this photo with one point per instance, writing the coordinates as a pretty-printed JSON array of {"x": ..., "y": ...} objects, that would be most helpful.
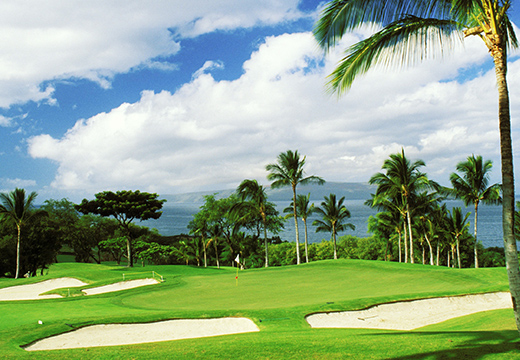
[
  {"x": 125, "y": 334},
  {"x": 124, "y": 285},
  {"x": 411, "y": 315},
  {"x": 33, "y": 291}
]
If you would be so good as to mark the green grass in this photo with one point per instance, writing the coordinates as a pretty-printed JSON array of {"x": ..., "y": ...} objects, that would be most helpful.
[{"x": 277, "y": 299}]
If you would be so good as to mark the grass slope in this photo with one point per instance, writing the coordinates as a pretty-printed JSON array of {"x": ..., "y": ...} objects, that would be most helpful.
[{"x": 277, "y": 299}]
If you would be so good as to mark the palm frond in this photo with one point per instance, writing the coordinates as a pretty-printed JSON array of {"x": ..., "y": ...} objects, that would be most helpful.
[
  {"x": 402, "y": 43},
  {"x": 342, "y": 16}
]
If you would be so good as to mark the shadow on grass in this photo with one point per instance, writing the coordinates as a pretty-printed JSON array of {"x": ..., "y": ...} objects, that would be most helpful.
[{"x": 464, "y": 345}]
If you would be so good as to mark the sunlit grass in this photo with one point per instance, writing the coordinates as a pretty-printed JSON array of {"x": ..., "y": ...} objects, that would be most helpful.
[{"x": 277, "y": 299}]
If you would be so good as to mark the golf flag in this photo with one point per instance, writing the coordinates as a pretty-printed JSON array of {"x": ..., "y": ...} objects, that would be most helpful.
[{"x": 237, "y": 259}]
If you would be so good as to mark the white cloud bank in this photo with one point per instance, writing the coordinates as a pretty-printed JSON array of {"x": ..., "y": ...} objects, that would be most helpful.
[
  {"x": 213, "y": 134},
  {"x": 50, "y": 40}
]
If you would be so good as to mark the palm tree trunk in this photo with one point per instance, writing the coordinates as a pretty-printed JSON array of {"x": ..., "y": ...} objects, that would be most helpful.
[
  {"x": 405, "y": 243},
  {"x": 306, "y": 241},
  {"x": 438, "y": 252},
  {"x": 476, "y": 242},
  {"x": 410, "y": 232},
  {"x": 17, "y": 273},
  {"x": 508, "y": 185},
  {"x": 458, "y": 251},
  {"x": 334, "y": 241},
  {"x": 296, "y": 227},
  {"x": 431, "y": 249},
  {"x": 266, "y": 247},
  {"x": 400, "y": 256},
  {"x": 205, "y": 255}
]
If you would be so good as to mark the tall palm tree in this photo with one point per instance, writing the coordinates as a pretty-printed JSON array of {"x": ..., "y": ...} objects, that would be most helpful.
[
  {"x": 411, "y": 31},
  {"x": 401, "y": 181},
  {"x": 457, "y": 226},
  {"x": 304, "y": 210},
  {"x": 17, "y": 208},
  {"x": 257, "y": 199},
  {"x": 334, "y": 216},
  {"x": 288, "y": 171},
  {"x": 473, "y": 186}
]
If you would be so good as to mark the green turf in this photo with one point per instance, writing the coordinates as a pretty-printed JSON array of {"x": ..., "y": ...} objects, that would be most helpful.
[{"x": 277, "y": 299}]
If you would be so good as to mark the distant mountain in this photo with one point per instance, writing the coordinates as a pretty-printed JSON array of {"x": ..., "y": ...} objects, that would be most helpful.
[{"x": 351, "y": 191}]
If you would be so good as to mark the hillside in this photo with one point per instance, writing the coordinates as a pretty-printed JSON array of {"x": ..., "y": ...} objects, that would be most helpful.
[{"x": 351, "y": 191}]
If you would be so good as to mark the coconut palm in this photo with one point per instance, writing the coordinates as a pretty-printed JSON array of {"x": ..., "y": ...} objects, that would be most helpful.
[
  {"x": 17, "y": 208},
  {"x": 412, "y": 31},
  {"x": 304, "y": 210},
  {"x": 288, "y": 171},
  {"x": 256, "y": 198},
  {"x": 334, "y": 216},
  {"x": 473, "y": 187},
  {"x": 401, "y": 181},
  {"x": 457, "y": 226}
]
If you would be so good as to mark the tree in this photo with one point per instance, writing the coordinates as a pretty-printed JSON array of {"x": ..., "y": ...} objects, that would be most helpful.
[
  {"x": 304, "y": 211},
  {"x": 125, "y": 206},
  {"x": 473, "y": 187},
  {"x": 288, "y": 171},
  {"x": 334, "y": 214},
  {"x": 411, "y": 30},
  {"x": 257, "y": 202},
  {"x": 457, "y": 227},
  {"x": 401, "y": 181},
  {"x": 17, "y": 208}
]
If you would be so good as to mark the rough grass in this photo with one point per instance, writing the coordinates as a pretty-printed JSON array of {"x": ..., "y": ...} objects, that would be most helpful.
[{"x": 277, "y": 299}]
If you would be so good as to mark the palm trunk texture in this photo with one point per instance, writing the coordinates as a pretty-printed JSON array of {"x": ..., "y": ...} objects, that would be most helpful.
[{"x": 508, "y": 185}]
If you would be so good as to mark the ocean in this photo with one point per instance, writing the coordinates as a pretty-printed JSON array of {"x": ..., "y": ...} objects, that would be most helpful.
[{"x": 176, "y": 216}]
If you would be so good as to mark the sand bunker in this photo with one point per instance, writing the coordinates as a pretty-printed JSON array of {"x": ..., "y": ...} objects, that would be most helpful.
[
  {"x": 409, "y": 315},
  {"x": 126, "y": 334},
  {"x": 124, "y": 285},
  {"x": 33, "y": 291}
]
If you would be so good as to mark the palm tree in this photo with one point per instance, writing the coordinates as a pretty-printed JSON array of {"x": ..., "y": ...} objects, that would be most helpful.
[
  {"x": 334, "y": 214},
  {"x": 473, "y": 187},
  {"x": 17, "y": 208},
  {"x": 288, "y": 171},
  {"x": 457, "y": 227},
  {"x": 411, "y": 30},
  {"x": 257, "y": 199},
  {"x": 304, "y": 211},
  {"x": 401, "y": 181}
]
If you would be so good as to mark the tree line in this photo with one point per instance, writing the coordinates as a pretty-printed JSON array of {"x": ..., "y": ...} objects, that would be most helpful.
[{"x": 412, "y": 224}]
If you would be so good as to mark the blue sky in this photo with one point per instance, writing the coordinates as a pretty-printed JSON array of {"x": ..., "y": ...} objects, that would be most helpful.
[{"x": 173, "y": 97}]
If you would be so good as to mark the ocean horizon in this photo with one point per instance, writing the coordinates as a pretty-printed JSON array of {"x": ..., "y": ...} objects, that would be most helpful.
[{"x": 176, "y": 217}]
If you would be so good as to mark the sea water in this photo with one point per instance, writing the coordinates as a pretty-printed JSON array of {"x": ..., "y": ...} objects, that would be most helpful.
[{"x": 176, "y": 217}]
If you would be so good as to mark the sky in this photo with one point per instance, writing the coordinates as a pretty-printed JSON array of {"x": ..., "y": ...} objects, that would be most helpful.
[{"x": 171, "y": 97}]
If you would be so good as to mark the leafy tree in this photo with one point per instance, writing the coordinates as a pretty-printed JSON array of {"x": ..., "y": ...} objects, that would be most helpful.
[
  {"x": 457, "y": 228},
  {"x": 473, "y": 187},
  {"x": 334, "y": 216},
  {"x": 199, "y": 227},
  {"x": 125, "y": 206},
  {"x": 412, "y": 31},
  {"x": 115, "y": 246},
  {"x": 41, "y": 244},
  {"x": 257, "y": 203},
  {"x": 288, "y": 171},
  {"x": 400, "y": 183},
  {"x": 304, "y": 211},
  {"x": 17, "y": 208}
]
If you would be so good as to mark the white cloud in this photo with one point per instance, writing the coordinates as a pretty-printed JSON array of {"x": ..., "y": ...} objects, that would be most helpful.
[
  {"x": 213, "y": 134},
  {"x": 48, "y": 40},
  {"x": 16, "y": 183}
]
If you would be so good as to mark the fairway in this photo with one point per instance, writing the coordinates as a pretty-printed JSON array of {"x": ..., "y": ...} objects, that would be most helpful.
[{"x": 277, "y": 300}]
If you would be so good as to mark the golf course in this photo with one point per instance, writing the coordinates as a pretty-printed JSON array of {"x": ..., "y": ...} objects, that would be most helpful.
[{"x": 276, "y": 299}]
